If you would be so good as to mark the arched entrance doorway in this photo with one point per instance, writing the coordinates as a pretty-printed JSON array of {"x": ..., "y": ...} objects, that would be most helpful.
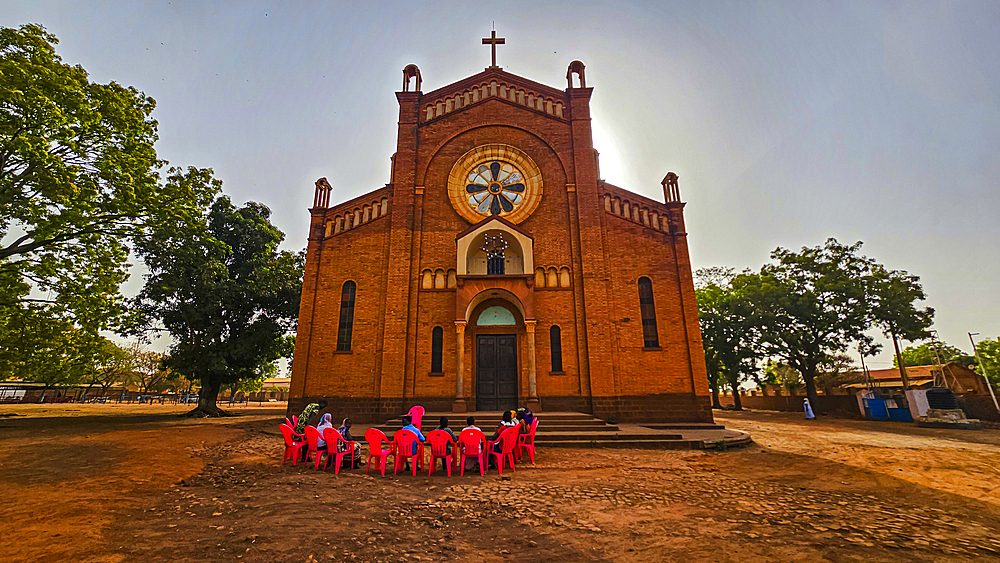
[
  {"x": 498, "y": 309},
  {"x": 496, "y": 325}
]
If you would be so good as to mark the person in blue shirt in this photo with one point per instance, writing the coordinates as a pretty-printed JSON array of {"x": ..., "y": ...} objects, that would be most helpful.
[{"x": 408, "y": 425}]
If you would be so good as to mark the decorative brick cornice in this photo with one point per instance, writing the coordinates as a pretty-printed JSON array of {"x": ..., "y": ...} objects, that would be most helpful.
[{"x": 498, "y": 85}]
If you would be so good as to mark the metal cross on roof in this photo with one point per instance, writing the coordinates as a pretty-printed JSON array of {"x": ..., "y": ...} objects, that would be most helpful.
[{"x": 493, "y": 41}]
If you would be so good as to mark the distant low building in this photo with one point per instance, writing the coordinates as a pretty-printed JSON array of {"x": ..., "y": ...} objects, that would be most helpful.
[
  {"x": 958, "y": 378},
  {"x": 273, "y": 389}
]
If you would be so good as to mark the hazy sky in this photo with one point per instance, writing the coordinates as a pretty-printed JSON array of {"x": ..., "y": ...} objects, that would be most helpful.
[{"x": 788, "y": 122}]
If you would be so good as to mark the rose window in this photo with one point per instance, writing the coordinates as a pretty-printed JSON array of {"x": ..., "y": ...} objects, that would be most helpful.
[{"x": 495, "y": 188}]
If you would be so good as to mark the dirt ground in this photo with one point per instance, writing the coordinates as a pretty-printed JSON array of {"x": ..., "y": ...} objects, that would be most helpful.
[{"x": 140, "y": 484}]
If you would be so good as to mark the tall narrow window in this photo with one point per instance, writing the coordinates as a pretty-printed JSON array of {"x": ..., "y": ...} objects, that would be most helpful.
[
  {"x": 437, "y": 342},
  {"x": 649, "y": 338},
  {"x": 555, "y": 344},
  {"x": 346, "y": 317}
]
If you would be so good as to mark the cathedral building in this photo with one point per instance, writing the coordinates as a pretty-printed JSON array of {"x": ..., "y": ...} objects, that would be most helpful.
[{"x": 497, "y": 269}]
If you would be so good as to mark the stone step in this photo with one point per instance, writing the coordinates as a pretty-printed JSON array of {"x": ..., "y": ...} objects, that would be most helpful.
[
  {"x": 630, "y": 444},
  {"x": 684, "y": 426},
  {"x": 600, "y": 436}
]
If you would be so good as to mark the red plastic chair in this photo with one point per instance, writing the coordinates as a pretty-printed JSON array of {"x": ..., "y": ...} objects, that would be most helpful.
[
  {"x": 333, "y": 439},
  {"x": 293, "y": 449},
  {"x": 312, "y": 438},
  {"x": 402, "y": 444},
  {"x": 507, "y": 442},
  {"x": 527, "y": 442},
  {"x": 473, "y": 444},
  {"x": 439, "y": 441},
  {"x": 417, "y": 413},
  {"x": 375, "y": 438}
]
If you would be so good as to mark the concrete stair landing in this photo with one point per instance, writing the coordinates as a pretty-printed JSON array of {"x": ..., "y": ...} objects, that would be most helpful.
[{"x": 580, "y": 430}]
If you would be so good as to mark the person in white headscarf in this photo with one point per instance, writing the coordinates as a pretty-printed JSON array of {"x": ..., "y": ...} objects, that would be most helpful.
[
  {"x": 809, "y": 410},
  {"x": 325, "y": 422}
]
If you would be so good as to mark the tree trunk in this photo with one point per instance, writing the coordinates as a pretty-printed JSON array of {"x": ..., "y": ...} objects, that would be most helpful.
[
  {"x": 207, "y": 398},
  {"x": 714, "y": 386},
  {"x": 737, "y": 402},
  {"x": 899, "y": 362},
  {"x": 810, "y": 377}
]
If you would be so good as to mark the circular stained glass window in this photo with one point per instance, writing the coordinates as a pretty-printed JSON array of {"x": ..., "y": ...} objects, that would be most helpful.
[
  {"x": 495, "y": 180},
  {"x": 495, "y": 188}
]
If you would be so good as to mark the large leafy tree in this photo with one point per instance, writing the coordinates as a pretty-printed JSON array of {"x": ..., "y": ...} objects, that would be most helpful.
[
  {"x": 112, "y": 365},
  {"x": 149, "y": 371},
  {"x": 809, "y": 305},
  {"x": 893, "y": 296},
  {"x": 728, "y": 330},
  {"x": 223, "y": 290},
  {"x": 928, "y": 353},
  {"x": 78, "y": 186},
  {"x": 989, "y": 355},
  {"x": 57, "y": 353}
]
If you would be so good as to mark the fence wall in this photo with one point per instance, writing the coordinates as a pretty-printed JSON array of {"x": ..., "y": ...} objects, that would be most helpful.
[
  {"x": 785, "y": 403},
  {"x": 979, "y": 406}
]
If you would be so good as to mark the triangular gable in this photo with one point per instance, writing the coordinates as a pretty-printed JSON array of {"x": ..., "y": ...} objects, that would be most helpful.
[{"x": 490, "y": 219}]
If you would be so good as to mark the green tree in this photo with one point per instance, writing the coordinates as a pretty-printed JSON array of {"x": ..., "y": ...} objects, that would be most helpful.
[
  {"x": 112, "y": 364},
  {"x": 766, "y": 376},
  {"x": 728, "y": 329},
  {"x": 810, "y": 305},
  {"x": 78, "y": 185},
  {"x": 714, "y": 368},
  {"x": 989, "y": 354},
  {"x": 223, "y": 290},
  {"x": 927, "y": 354},
  {"x": 778, "y": 372},
  {"x": 704, "y": 277},
  {"x": 833, "y": 370},
  {"x": 893, "y": 296},
  {"x": 150, "y": 373},
  {"x": 58, "y": 354}
]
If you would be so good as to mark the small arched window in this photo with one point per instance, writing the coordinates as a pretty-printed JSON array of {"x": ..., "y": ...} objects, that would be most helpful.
[
  {"x": 555, "y": 345},
  {"x": 649, "y": 337},
  {"x": 346, "y": 317},
  {"x": 437, "y": 343}
]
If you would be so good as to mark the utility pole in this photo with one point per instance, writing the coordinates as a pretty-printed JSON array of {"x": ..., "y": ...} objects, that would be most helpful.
[
  {"x": 975, "y": 351},
  {"x": 864, "y": 370}
]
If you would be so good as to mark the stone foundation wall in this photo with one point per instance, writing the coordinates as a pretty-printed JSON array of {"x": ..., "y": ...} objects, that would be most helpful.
[{"x": 666, "y": 407}]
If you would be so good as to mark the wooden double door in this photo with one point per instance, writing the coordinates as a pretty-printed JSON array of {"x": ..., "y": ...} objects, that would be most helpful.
[{"x": 496, "y": 372}]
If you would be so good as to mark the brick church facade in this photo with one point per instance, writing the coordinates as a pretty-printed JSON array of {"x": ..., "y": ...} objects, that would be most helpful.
[{"x": 497, "y": 269}]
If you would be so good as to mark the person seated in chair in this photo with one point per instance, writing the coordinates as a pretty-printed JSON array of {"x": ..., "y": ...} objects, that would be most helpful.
[
  {"x": 326, "y": 421},
  {"x": 470, "y": 422},
  {"x": 345, "y": 433},
  {"x": 507, "y": 422},
  {"x": 443, "y": 425},
  {"x": 408, "y": 425}
]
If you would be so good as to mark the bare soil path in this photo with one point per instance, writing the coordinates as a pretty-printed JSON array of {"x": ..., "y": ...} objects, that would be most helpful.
[{"x": 152, "y": 487}]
